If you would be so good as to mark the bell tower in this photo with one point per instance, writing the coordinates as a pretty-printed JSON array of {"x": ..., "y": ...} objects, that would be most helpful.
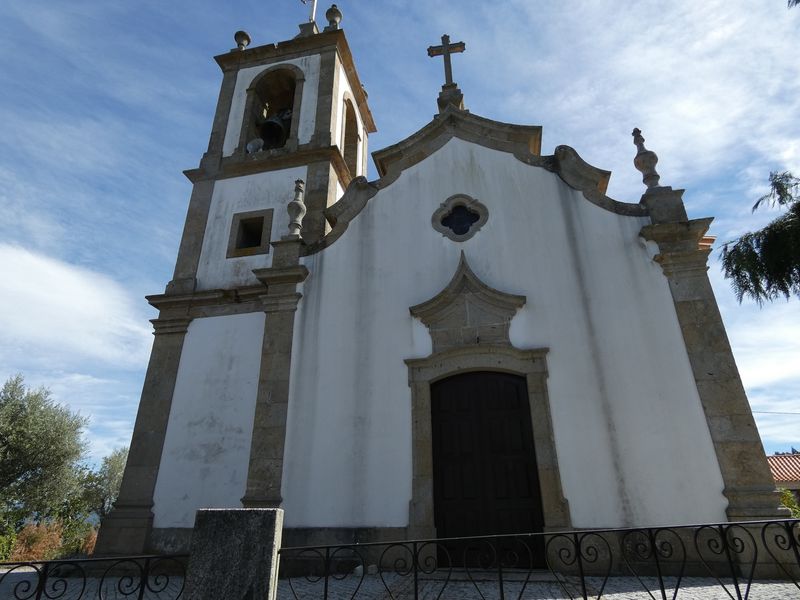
[{"x": 287, "y": 113}]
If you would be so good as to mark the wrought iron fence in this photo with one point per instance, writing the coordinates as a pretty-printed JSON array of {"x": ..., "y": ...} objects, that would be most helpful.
[
  {"x": 129, "y": 577},
  {"x": 736, "y": 560}
]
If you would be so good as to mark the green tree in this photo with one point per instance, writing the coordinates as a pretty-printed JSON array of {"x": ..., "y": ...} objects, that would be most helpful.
[
  {"x": 765, "y": 264},
  {"x": 40, "y": 452},
  {"x": 787, "y": 497},
  {"x": 45, "y": 490},
  {"x": 101, "y": 487}
]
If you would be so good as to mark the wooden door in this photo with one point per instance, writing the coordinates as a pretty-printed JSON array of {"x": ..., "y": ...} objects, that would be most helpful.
[{"x": 484, "y": 464}]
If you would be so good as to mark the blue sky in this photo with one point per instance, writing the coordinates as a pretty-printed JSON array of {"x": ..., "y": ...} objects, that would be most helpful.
[{"x": 103, "y": 104}]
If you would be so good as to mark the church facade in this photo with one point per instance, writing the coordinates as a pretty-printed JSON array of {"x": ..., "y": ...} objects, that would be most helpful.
[{"x": 479, "y": 341}]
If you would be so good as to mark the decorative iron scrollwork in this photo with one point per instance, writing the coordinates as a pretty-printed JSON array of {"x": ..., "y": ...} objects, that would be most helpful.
[
  {"x": 584, "y": 564},
  {"x": 153, "y": 577}
]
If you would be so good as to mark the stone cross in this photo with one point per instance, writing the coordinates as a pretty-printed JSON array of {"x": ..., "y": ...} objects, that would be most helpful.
[{"x": 446, "y": 49}]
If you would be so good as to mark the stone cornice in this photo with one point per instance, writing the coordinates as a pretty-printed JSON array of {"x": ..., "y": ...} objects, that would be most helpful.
[
  {"x": 178, "y": 310},
  {"x": 453, "y": 122},
  {"x": 524, "y": 142},
  {"x": 683, "y": 263},
  {"x": 683, "y": 247},
  {"x": 677, "y": 237},
  {"x": 281, "y": 275},
  {"x": 303, "y": 46},
  {"x": 534, "y": 358},
  {"x": 339, "y": 215},
  {"x": 281, "y": 302},
  {"x": 163, "y": 326},
  {"x": 217, "y": 297},
  {"x": 589, "y": 180},
  {"x": 430, "y": 311},
  {"x": 468, "y": 312},
  {"x": 238, "y": 165}
]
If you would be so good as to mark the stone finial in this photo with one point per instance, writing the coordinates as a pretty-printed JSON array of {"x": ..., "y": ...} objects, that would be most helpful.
[
  {"x": 242, "y": 39},
  {"x": 296, "y": 210},
  {"x": 645, "y": 161},
  {"x": 334, "y": 16}
]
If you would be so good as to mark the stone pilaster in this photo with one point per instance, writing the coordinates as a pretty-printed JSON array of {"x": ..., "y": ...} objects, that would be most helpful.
[
  {"x": 194, "y": 229},
  {"x": 265, "y": 471},
  {"x": 320, "y": 193},
  {"x": 749, "y": 486},
  {"x": 321, "y": 178},
  {"x": 221, "y": 116},
  {"x": 126, "y": 530}
]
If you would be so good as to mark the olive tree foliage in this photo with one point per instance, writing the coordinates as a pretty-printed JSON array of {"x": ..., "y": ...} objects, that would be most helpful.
[
  {"x": 42, "y": 478},
  {"x": 765, "y": 264},
  {"x": 102, "y": 487},
  {"x": 40, "y": 452}
]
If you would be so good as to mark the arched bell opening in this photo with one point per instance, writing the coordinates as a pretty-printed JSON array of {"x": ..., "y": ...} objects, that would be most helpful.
[
  {"x": 350, "y": 138},
  {"x": 272, "y": 110}
]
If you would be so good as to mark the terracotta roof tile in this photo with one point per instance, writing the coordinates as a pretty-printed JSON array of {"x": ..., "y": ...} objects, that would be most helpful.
[{"x": 785, "y": 467}]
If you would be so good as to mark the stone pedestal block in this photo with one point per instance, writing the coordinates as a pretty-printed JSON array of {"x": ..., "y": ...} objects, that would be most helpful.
[{"x": 234, "y": 554}]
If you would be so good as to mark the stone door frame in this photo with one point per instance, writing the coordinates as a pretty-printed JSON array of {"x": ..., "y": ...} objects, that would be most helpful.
[{"x": 530, "y": 364}]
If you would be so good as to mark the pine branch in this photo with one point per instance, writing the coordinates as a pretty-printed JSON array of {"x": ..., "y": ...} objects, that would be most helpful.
[{"x": 783, "y": 187}]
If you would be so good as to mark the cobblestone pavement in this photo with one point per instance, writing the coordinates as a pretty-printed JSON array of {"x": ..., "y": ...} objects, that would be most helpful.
[{"x": 541, "y": 586}]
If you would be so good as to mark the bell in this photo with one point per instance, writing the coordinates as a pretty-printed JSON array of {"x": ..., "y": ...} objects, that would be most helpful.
[{"x": 275, "y": 130}]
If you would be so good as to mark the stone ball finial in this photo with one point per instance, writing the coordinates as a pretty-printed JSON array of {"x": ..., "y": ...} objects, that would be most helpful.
[
  {"x": 297, "y": 209},
  {"x": 334, "y": 16},
  {"x": 242, "y": 39},
  {"x": 645, "y": 161}
]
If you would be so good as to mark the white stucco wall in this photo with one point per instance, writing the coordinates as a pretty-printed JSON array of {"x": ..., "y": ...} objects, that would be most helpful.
[
  {"x": 310, "y": 65},
  {"x": 632, "y": 441},
  {"x": 273, "y": 189},
  {"x": 205, "y": 457}
]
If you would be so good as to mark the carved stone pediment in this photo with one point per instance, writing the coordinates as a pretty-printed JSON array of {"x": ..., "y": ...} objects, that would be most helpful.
[{"x": 467, "y": 312}]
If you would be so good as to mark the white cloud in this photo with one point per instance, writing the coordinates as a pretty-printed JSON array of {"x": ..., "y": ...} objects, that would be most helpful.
[
  {"x": 108, "y": 403},
  {"x": 767, "y": 343},
  {"x": 766, "y": 339},
  {"x": 62, "y": 314},
  {"x": 713, "y": 85},
  {"x": 777, "y": 413}
]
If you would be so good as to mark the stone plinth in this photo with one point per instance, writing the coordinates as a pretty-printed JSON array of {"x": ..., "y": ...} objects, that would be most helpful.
[{"x": 234, "y": 554}]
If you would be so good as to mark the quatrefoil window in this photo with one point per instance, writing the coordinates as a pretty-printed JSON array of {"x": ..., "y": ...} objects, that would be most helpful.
[{"x": 459, "y": 217}]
